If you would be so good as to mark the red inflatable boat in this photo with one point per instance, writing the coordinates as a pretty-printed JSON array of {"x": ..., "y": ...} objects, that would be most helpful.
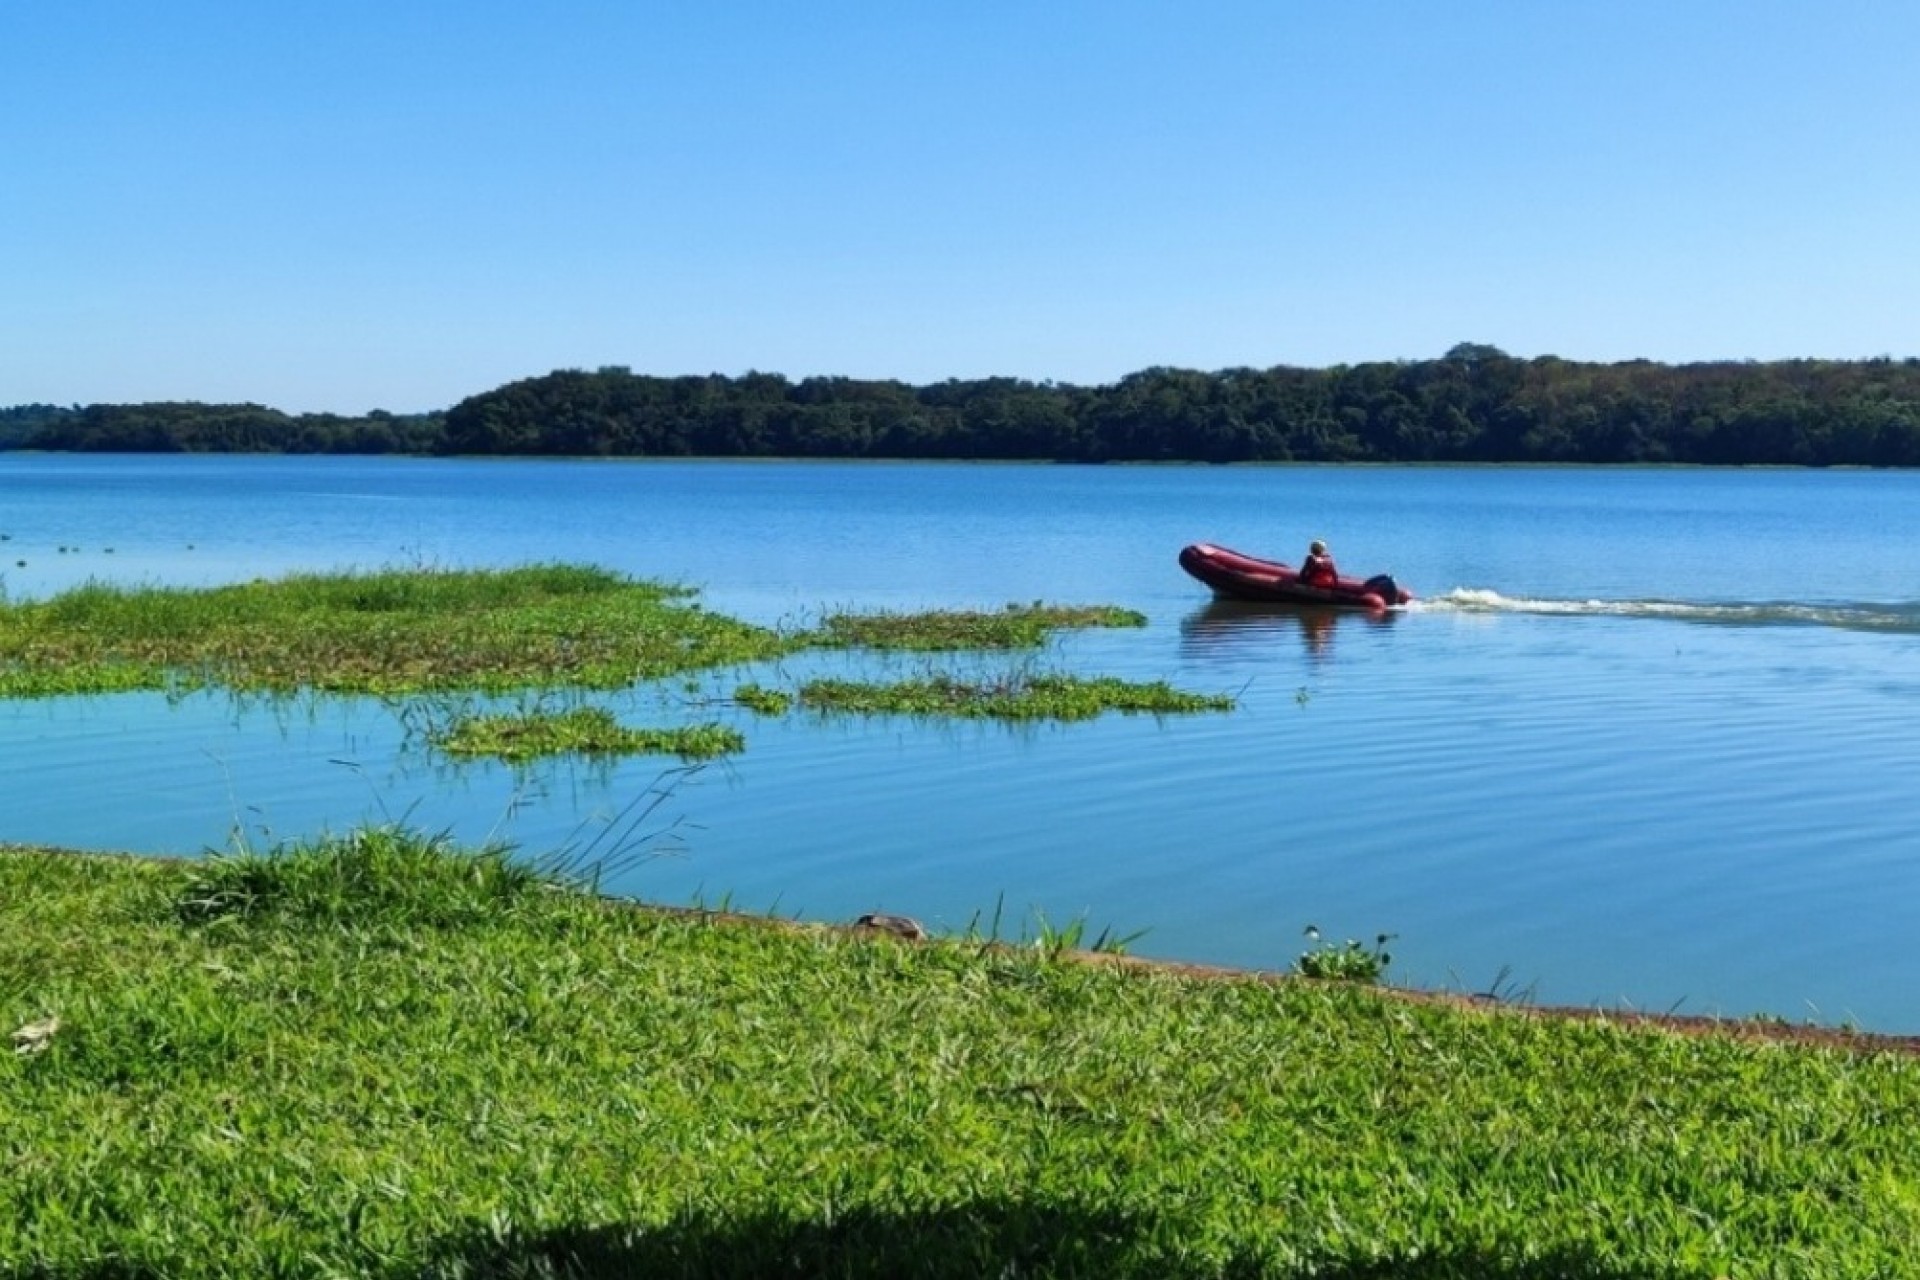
[{"x": 1236, "y": 577}]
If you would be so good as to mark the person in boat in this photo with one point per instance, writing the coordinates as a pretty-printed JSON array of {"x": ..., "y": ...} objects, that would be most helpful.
[{"x": 1318, "y": 571}]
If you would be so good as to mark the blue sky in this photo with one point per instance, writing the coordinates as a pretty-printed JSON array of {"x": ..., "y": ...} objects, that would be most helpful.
[{"x": 350, "y": 205}]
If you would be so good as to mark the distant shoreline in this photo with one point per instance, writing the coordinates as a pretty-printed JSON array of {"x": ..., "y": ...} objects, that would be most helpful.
[{"x": 1476, "y": 404}]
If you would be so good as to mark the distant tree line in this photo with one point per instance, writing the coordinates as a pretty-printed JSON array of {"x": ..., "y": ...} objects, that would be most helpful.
[
  {"x": 20, "y": 423},
  {"x": 1475, "y": 404},
  {"x": 191, "y": 427}
]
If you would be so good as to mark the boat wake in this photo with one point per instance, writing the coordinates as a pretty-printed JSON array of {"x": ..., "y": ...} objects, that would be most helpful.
[{"x": 1895, "y": 618}]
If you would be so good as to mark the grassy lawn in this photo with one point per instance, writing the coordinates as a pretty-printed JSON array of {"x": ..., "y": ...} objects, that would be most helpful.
[{"x": 381, "y": 1056}]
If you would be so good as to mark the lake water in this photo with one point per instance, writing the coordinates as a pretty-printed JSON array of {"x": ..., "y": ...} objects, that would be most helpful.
[{"x": 1649, "y": 739}]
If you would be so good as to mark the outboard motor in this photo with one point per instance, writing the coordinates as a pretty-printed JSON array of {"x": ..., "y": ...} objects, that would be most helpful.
[{"x": 1386, "y": 588}]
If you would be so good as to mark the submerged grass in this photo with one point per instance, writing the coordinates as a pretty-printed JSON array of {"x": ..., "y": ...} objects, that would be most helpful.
[
  {"x": 1018, "y": 697},
  {"x": 592, "y": 731},
  {"x": 761, "y": 700},
  {"x": 385, "y": 1057},
  {"x": 1015, "y": 627}
]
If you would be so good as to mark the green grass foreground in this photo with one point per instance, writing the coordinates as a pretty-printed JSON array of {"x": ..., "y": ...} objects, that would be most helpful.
[{"x": 382, "y": 1057}]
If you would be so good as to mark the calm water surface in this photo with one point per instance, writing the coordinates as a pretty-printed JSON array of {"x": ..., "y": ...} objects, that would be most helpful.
[{"x": 1647, "y": 740}]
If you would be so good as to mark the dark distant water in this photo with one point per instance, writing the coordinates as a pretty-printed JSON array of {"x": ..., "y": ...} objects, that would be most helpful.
[{"x": 1648, "y": 739}]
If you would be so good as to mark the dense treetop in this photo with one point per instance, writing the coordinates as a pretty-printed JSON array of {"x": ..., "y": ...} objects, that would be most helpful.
[
  {"x": 191, "y": 427},
  {"x": 1475, "y": 404}
]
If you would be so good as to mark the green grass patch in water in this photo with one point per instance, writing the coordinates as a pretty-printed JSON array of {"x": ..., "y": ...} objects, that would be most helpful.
[
  {"x": 1018, "y": 697},
  {"x": 392, "y": 632},
  {"x": 1015, "y": 627},
  {"x": 589, "y": 731},
  {"x": 411, "y": 631},
  {"x": 763, "y": 701},
  {"x": 408, "y": 633}
]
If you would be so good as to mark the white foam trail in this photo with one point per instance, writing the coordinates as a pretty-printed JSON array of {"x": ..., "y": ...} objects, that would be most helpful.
[{"x": 1861, "y": 617}]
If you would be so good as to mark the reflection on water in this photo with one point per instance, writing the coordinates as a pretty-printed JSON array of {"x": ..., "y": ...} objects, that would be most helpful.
[{"x": 1243, "y": 628}]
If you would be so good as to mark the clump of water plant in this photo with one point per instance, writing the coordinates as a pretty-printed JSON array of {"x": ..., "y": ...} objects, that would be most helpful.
[
  {"x": 1350, "y": 961},
  {"x": 1014, "y": 697},
  {"x": 761, "y": 700},
  {"x": 592, "y": 731},
  {"x": 1018, "y": 626}
]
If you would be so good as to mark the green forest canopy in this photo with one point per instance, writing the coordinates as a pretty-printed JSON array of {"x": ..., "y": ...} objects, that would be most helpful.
[{"x": 1474, "y": 404}]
